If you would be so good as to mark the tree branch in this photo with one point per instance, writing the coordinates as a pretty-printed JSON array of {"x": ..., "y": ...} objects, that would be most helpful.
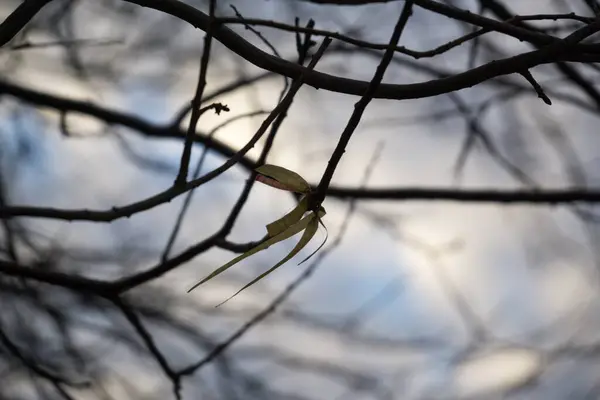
[
  {"x": 321, "y": 80},
  {"x": 361, "y": 105},
  {"x": 19, "y": 18},
  {"x": 197, "y": 101}
]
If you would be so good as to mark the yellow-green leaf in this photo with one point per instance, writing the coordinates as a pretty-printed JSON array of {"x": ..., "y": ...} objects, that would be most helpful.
[
  {"x": 276, "y": 227},
  {"x": 308, "y": 234},
  {"x": 321, "y": 245},
  {"x": 291, "y": 231},
  {"x": 287, "y": 178}
]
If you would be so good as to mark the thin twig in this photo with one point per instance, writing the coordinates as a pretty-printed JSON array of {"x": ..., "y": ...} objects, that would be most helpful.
[
  {"x": 189, "y": 195},
  {"x": 536, "y": 86},
  {"x": 361, "y": 105},
  {"x": 197, "y": 101},
  {"x": 146, "y": 337},
  {"x": 417, "y": 54}
]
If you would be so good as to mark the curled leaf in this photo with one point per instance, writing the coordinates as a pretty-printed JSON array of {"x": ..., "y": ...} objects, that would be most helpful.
[
  {"x": 308, "y": 234},
  {"x": 291, "y": 231},
  {"x": 276, "y": 227},
  {"x": 321, "y": 245},
  {"x": 282, "y": 178}
]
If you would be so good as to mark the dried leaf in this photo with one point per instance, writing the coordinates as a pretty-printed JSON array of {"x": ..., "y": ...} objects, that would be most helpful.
[
  {"x": 276, "y": 227},
  {"x": 321, "y": 245},
  {"x": 308, "y": 234},
  {"x": 273, "y": 183},
  {"x": 284, "y": 178},
  {"x": 291, "y": 231}
]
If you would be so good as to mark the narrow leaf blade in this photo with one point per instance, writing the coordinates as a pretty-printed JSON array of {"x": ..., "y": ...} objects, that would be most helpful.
[
  {"x": 320, "y": 246},
  {"x": 291, "y": 231},
  {"x": 308, "y": 234}
]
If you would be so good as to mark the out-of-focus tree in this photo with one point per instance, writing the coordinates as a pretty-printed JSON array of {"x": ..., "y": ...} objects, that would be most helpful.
[{"x": 130, "y": 131}]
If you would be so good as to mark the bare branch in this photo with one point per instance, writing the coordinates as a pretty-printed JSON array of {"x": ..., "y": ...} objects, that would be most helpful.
[
  {"x": 19, "y": 18},
  {"x": 197, "y": 101}
]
